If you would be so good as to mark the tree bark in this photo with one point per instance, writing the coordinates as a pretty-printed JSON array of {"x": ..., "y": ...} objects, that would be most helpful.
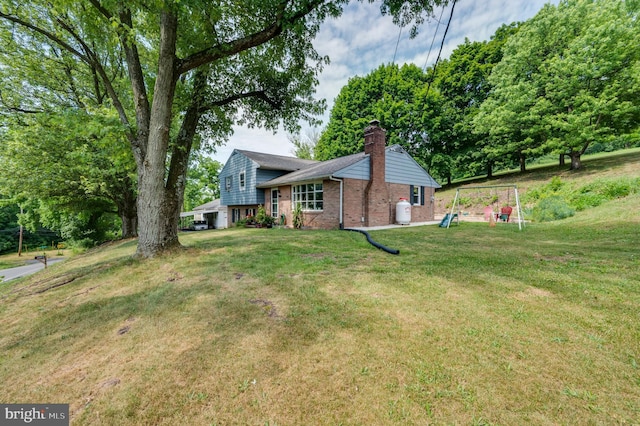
[
  {"x": 576, "y": 162},
  {"x": 128, "y": 213},
  {"x": 489, "y": 169},
  {"x": 159, "y": 213},
  {"x": 523, "y": 163}
]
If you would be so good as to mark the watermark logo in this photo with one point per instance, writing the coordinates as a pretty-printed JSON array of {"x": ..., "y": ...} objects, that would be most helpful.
[{"x": 34, "y": 414}]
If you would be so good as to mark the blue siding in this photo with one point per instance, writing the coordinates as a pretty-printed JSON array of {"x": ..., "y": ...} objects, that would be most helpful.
[
  {"x": 359, "y": 170},
  {"x": 254, "y": 176},
  {"x": 402, "y": 168},
  {"x": 236, "y": 164}
]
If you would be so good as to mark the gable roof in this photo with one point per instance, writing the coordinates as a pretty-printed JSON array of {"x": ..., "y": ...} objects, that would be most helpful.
[
  {"x": 276, "y": 162},
  {"x": 400, "y": 167},
  {"x": 319, "y": 170}
]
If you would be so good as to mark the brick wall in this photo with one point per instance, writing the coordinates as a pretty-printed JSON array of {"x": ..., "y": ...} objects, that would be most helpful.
[
  {"x": 353, "y": 208},
  {"x": 376, "y": 193},
  {"x": 329, "y": 218},
  {"x": 420, "y": 213}
]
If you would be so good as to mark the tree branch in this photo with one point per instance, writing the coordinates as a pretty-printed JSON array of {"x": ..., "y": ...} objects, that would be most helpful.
[
  {"x": 47, "y": 34},
  {"x": 231, "y": 48},
  {"x": 258, "y": 94},
  {"x": 89, "y": 59},
  {"x": 16, "y": 109}
]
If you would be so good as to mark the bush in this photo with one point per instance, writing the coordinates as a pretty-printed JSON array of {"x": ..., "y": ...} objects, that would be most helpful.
[
  {"x": 552, "y": 208},
  {"x": 585, "y": 200},
  {"x": 553, "y": 188},
  {"x": 298, "y": 219}
]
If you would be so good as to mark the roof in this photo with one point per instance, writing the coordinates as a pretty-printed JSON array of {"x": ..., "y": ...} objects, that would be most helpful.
[
  {"x": 210, "y": 207},
  {"x": 315, "y": 171},
  {"x": 277, "y": 162}
]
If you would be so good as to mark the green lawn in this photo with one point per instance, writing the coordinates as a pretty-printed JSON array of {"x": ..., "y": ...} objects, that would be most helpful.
[{"x": 471, "y": 325}]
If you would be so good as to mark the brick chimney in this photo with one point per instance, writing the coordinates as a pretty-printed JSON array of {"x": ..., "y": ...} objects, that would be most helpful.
[{"x": 376, "y": 193}]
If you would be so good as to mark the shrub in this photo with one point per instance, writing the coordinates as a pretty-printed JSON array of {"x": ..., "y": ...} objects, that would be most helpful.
[
  {"x": 298, "y": 220},
  {"x": 262, "y": 218},
  {"x": 553, "y": 188},
  {"x": 552, "y": 208},
  {"x": 585, "y": 200}
]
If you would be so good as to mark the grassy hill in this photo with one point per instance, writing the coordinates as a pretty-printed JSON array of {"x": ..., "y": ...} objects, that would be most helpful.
[
  {"x": 604, "y": 167},
  {"x": 471, "y": 325}
]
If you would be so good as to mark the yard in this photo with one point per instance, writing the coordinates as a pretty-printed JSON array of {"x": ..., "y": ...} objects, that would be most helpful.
[{"x": 471, "y": 325}]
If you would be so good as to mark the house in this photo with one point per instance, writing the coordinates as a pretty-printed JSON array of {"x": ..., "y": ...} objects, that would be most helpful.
[
  {"x": 241, "y": 175},
  {"x": 356, "y": 190}
]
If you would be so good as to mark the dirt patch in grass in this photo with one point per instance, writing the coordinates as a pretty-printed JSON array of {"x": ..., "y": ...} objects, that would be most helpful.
[{"x": 533, "y": 293}]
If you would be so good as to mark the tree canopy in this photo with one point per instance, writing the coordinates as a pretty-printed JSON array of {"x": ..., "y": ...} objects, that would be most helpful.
[
  {"x": 568, "y": 78},
  {"x": 76, "y": 166},
  {"x": 562, "y": 82},
  {"x": 396, "y": 96},
  {"x": 173, "y": 70}
]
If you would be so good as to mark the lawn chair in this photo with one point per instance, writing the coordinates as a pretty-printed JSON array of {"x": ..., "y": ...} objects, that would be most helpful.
[
  {"x": 505, "y": 213},
  {"x": 488, "y": 212}
]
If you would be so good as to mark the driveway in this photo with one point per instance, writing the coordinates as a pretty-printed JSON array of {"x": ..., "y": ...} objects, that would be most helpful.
[{"x": 21, "y": 271}]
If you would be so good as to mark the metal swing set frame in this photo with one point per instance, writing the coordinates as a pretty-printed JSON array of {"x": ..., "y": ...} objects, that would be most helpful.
[{"x": 456, "y": 202}]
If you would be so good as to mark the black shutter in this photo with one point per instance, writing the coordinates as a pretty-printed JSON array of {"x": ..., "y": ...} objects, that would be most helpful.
[
  {"x": 411, "y": 194},
  {"x": 422, "y": 195}
]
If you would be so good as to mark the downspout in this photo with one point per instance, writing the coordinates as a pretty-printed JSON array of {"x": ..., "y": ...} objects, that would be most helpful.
[{"x": 341, "y": 193}]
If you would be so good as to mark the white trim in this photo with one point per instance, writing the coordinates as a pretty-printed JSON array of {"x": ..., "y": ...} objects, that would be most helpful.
[
  {"x": 341, "y": 196},
  {"x": 242, "y": 180}
]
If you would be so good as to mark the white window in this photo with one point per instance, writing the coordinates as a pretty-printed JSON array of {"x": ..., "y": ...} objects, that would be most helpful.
[
  {"x": 309, "y": 196},
  {"x": 275, "y": 193},
  {"x": 227, "y": 183},
  {"x": 417, "y": 195},
  {"x": 242, "y": 180}
]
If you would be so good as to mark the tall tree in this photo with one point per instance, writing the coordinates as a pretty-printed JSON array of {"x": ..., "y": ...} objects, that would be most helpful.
[
  {"x": 73, "y": 162},
  {"x": 203, "y": 184},
  {"x": 463, "y": 81},
  {"x": 193, "y": 67},
  {"x": 568, "y": 78},
  {"x": 394, "y": 95},
  {"x": 304, "y": 146}
]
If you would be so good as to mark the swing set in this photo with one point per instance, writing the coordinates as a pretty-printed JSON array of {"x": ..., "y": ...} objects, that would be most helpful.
[{"x": 504, "y": 214}]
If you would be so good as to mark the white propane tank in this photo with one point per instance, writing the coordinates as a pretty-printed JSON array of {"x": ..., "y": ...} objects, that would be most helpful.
[{"x": 403, "y": 212}]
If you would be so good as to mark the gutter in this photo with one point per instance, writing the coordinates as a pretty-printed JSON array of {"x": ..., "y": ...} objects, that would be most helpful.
[{"x": 341, "y": 197}]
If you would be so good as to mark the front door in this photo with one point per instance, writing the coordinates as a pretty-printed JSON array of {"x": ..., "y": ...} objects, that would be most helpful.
[{"x": 274, "y": 203}]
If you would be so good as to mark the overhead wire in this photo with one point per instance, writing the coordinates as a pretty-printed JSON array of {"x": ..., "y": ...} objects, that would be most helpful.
[
  {"x": 397, "y": 43},
  {"x": 435, "y": 33},
  {"x": 433, "y": 74}
]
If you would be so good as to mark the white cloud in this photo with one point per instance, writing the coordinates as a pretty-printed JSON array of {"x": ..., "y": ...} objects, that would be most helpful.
[{"x": 362, "y": 39}]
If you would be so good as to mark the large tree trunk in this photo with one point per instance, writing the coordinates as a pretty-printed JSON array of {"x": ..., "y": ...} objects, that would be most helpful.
[
  {"x": 159, "y": 215},
  {"x": 576, "y": 162},
  {"x": 158, "y": 208},
  {"x": 129, "y": 216}
]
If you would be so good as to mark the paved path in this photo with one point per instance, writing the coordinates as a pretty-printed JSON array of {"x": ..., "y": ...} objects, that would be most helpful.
[{"x": 21, "y": 271}]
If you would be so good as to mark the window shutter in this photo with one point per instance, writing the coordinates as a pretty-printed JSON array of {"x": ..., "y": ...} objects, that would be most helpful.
[
  {"x": 422, "y": 195},
  {"x": 411, "y": 194}
]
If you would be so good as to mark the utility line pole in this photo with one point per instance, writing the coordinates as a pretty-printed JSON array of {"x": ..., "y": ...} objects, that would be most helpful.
[{"x": 21, "y": 231}]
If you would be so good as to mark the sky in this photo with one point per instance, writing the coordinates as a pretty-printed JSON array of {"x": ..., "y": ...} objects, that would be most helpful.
[{"x": 362, "y": 39}]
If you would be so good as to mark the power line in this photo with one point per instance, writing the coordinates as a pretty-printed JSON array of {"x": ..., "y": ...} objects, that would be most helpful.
[
  {"x": 397, "y": 43},
  {"x": 433, "y": 39},
  {"x": 433, "y": 75}
]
